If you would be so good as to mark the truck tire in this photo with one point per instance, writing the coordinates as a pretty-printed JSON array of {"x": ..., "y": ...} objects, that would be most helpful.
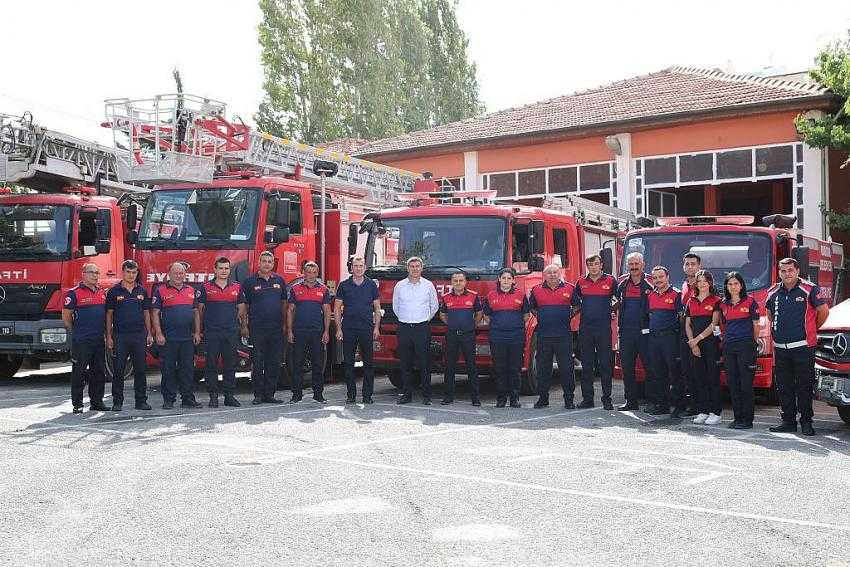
[
  {"x": 844, "y": 413},
  {"x": 9, "y": 366},
  {"x": 109, "y": 362},
  {"x": 528, "y": 382}
]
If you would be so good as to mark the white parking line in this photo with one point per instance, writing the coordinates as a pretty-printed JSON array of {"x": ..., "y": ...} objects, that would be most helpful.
[{"x": 431, "y": 408}]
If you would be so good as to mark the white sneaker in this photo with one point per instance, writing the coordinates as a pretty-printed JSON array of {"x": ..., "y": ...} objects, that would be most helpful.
[
  {"x": 712, "y": 419},
  {"x": 701, "y": 418}
]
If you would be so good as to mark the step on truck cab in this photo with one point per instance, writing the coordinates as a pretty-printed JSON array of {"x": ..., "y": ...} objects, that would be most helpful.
[{"x": 735, "y": 243}]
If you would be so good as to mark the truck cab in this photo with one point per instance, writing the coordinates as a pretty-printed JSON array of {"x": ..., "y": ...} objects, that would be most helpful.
[
  {"x": 45, "y": 239},
  {"x": 832, "y": 360}
]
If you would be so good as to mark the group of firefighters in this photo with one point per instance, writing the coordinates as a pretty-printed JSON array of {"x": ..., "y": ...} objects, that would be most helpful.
[{"x": 678, "y": 334}]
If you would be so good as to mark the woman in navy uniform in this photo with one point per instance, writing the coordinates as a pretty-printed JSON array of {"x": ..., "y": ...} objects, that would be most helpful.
[
  {"x": 739, "y": 322},
  {"x": 702, "y": 314},
  {"x": 507, "y": 310}
]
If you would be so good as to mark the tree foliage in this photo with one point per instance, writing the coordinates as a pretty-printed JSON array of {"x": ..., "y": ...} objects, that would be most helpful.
[
  {"x": 362, "y": 68},
  {"x": 833, "y": 130}
]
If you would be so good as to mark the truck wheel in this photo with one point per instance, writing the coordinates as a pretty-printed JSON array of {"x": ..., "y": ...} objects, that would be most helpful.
[
  {"x": 528, "y": 385},
  {"x": 395, "y": 378},
  {"x": 9, "y": 366},
  {"x": 110, "y": 363},
  {"x": 844, "y": 413}
]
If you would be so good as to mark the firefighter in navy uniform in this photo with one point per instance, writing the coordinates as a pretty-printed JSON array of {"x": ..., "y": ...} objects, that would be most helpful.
[
  {"x": 219, "y": 306},
  {"x": 691, "y": 264},
  {"x": 128, "y": 334},
  {"x": 84, "y": 314},
  {"x": 796, "y": 308},
  {"x": 552, "y": 304},
  {"x": 461, "y": 311},
  {"x": 595, "y": 292},
  {"x": 664, "y": 304},
  {"x": 308, "y": 326},
  {"x": 739, "y": 317},
  {"x": 632, "y": 303}
]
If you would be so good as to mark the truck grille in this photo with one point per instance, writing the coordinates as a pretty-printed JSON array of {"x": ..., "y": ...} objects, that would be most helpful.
[
  {"x": 25, "y": 302},
  {"x": 826, "y": 349}
]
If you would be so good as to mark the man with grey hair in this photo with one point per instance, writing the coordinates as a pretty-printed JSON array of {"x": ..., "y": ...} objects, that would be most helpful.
[
  {"x": 84, "y": 315},
  {"x": 415, "y": 303},
  {"x": 632, "y": 295}
]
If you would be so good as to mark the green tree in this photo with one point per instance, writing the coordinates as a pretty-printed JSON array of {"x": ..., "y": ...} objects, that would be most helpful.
[
  {"x": 833, "y": 130},
  {"x": 362, "y": 68}
]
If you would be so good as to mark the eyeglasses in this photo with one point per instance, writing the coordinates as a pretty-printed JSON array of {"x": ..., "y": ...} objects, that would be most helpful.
[{"x": 91, "y": 272}]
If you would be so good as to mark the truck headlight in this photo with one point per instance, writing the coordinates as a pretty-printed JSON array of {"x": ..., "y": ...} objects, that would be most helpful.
[{"x": 54, "y": 336}]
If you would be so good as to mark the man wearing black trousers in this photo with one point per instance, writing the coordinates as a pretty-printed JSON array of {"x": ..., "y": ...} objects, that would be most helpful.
[
  {"x": 307, "y": 327},
  {"x": 664, "y": 309},
  {"x": 415, "y": 303},
  {"x": 461, "y": 311},
  {"x": 632, "y": 297},
  {"x": 358, "y": 308},
  {"x": 128, "y": 334}
]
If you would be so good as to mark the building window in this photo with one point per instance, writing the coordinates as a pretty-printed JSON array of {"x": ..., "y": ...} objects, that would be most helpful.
[
  {"x": 591, "y": 179},
  {"x": 660, "y": 171},
  {"x": 736, "y": 164},
  {"x": 697, "y": 167},
  {"x": 594, "y": 177},
  {"x": 532, "y": 182},
  {"x": 563, "y": 180},
  {"x": 504, "y": 184},
  {"x": 775, "y": 160}
]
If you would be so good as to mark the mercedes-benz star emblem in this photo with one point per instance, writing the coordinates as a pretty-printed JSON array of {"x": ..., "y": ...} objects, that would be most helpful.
[
  {"x": 2, "y": 294},
  {"x": 840, "y": 344}
]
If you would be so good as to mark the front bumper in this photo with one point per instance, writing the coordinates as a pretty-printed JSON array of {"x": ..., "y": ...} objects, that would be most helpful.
[
  {"x": 831, "y": 386},
  {"x": 45, "y": 337}
]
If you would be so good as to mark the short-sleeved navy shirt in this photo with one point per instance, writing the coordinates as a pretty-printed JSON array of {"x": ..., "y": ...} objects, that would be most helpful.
[
  {"x": 793, "y": 312},
  {"x": 357, "y": 301},
  {"x": 664, "y": 309},
  {"x": 309, "y": 301},
  {"x": 460, "y": 309},
  {"x": 220, "y": 306},
  {"x": 736, "y": 320},
  {"x": 634, "y": 304},
  {"x": 89, "y": 307},
  {"x": 128, "y": 308},
  {"x": 554, "y": 307},
  {"x": 264, "y": 298},
  {"x": 595, "y": 297},
  {"x": 505, "y": 310},
  {"x": 701, "y": 313},
  {"x": 176, "y": 310}
]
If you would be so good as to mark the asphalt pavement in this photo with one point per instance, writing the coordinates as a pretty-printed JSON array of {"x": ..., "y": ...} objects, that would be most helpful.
[{"x": 312, "y": 484}]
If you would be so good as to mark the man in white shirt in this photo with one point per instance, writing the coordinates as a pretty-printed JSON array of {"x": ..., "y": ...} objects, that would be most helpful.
[{"x": 414, "y": 304}]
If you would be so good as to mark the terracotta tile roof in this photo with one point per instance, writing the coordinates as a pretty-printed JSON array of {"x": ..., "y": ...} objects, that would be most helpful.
[
  {"x": 344, "y": 145},
  {"x": 666, "y": 94}
]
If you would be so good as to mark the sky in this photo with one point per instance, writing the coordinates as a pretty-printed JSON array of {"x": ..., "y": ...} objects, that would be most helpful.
[{"x": 62, "y": 67}]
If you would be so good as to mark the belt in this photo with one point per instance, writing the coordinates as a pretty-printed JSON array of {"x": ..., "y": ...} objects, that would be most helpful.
[
  {"x": 786, "y": 346},
  {"x": 460, "y": 331},
  {"x": 664, "y": 332},
  {"x": 413, "y": 324}
]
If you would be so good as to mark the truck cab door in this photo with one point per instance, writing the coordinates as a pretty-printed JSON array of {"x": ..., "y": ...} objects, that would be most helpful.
[
  {"x": 291, "y": 252},
  {"x": 92, "y": 241}
]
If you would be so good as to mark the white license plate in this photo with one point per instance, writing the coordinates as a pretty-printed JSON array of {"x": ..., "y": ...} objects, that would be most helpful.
[{"x": 7, "y": 330}]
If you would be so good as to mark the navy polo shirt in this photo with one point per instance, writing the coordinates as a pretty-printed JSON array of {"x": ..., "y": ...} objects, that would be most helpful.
[
  {"x": 264, "y": 298},
  {"x": 595, "y": 297},
  {"x": 176, "y": 310},
  {"x": 736, "y": 320},
  {"x": 128, "y": 308},
  {"x": 309, "y": 302},
  {"x": 701, "y": 312},
  {"x": 793, "y": 312},
  {"x": 460, "y": 309},
  {"x": 664, "y": 310},
  {"x": 553, "y": 307},
  {"x": 357, "y": 301},
  {"x": 220, "y": 306},
  {"x": 505, "y": 310},
  {"x": 634, "y": 304},
  {"x": 89, "y": 307}
]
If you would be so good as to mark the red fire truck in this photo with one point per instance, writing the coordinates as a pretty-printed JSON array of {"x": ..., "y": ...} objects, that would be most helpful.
[
  {"x": 734, "y": 243},
  {"x": 467, "y": 230}
]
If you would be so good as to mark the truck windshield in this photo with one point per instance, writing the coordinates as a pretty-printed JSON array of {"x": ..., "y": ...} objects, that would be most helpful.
[
  {"x": 196, "y": 219},
  {"x": 34, "y": 232},
  {"x": 474, "y": 244},
  {"x": 750, "y": 253}
]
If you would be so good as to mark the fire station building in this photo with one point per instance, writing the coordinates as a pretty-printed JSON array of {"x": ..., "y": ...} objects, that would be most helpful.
[{"x": 681, "y": 141}]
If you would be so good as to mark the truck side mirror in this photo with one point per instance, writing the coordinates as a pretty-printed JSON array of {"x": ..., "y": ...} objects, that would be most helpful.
[
  {"x": 282, "y": 212},
  {"x": 535, "y": 237},
  {"x": 607, "y": 256},
  {"x": 132, "y": 217},
  {"x": 801, "y": 254},
  {"x": 535, "y": 263},
  {"x": 352, "y": 239},
  {"x": 277, "y": 235}
]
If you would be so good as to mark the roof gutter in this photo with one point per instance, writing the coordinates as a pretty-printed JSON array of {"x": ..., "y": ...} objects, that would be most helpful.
[{"x": 824, "y": 101}]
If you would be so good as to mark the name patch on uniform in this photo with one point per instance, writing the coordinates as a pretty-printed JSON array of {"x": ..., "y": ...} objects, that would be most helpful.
[
  {"x": 518, "y": 301},
  {"x": 709, "y": 307},
  {"x": 668, "y": 300},
  {"x": 258, "y": 287},
  {"x": 67, "y": 300},
  {"x": 119, "y": 298},
  {"x": 140, "y": 297},
  {"x": 745, "y": 309},
  {"x": 276, "y": 286},
  {"x": 800, "y": 299}
]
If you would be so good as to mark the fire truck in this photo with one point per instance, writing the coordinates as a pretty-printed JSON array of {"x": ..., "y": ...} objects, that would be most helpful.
[
  {"x": 735, "y": 243},
  {"x": 468, "y": 230}
]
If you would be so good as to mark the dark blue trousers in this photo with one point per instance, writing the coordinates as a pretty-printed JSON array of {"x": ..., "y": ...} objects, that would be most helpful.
[
  {"x": 738, "y": 359},
  {"x": 177, "y": 370},
  {"x": 304, "y": 341},
  {"x": 507, "y": 363},
  {"x": 795, "y": 378},
  {"x": 221, "y": 344},
  {"x": 265, "y": 361},
  {"x": 595, "y": 349},
  {"x": 87, "y": 358},
  {"x": 351, "y": 340},
  {"x": 664, "y": 349},
  {"x": 130, "y": 345},
  {"x": 706, "y": 375},
  {"x": 634, "y": 343},
  {"x": 461, "y": 343},
  {"x": 547, "y": 349}
]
